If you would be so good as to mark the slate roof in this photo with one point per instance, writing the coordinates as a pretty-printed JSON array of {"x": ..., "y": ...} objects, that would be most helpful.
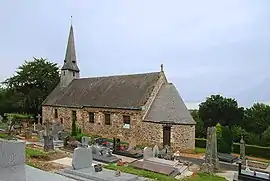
[
  {"x": 168, "y": 106},
  {"x": 121, "y": 91},
  {"x": 70, "y": 62}
]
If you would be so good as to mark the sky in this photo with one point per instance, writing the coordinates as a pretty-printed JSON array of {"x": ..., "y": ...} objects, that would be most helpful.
[{"x": 207, "y": 47}]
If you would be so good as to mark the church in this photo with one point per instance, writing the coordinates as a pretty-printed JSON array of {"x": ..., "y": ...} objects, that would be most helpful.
[{"x": 144, "y": 106}]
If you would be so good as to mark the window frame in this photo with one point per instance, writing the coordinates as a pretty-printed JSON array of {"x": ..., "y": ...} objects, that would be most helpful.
[
  {"x": 124, "y": 120},
  {"x": 55, "y": 113},
  {"x": 91, "y": 117},
  {"x": 106, "y": 117}
]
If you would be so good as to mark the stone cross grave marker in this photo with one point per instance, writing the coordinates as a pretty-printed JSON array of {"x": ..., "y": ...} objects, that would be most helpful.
[
  {"x": 39, "y": 118},
  {"x": 82, "y": 158},
  {"x": 132, "y": 144},
  {"x": 211, "y": 159},
  {"x": 48, "y": 143},
  {"x": 155, "y": 151},
  {"x": 147, "y": 153},
  {"x": 85, "y": 141},
  {"x": 242, "y": 150}
]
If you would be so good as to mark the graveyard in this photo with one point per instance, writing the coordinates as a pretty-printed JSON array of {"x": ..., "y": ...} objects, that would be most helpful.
[{"x": 79, "y": 156}]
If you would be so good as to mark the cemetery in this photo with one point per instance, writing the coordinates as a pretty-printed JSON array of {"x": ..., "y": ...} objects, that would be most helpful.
[{"x": 97, "y": 158}]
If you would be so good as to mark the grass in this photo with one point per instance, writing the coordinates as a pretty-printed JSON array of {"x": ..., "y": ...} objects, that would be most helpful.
[
  {"x": 3, "y": 135},
  {"x": 204, "y": 177},
  {"x": 199, "y": 150},
  {"x": 3, "y": 125},
  {"x": 35, "y": 153},
  {"x": 161, "y": 177}
]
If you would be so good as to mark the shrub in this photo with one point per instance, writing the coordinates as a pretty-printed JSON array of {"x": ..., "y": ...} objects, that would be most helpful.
[
  {"x": 73, "y": 128},
  {"x": 266, "y": 136},
  {"x": 200, "y": 142},
  {"x": 224, "y": 139}
]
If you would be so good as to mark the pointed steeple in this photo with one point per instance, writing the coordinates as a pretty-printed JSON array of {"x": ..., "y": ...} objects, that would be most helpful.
[{"x": 70, "y": 62}]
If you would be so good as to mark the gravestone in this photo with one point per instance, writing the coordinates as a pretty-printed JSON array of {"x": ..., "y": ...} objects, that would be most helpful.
[
  {"x": 39, "y": 119},
  {"x": 132, "y": 144},
  {"x": 56, "y": 127},
  {"x": 211, "y": 163},
  {"x": 147, "y": 153},
  {"x": 242, "y": 150},
  {"x": 48, "y": 143},
  {"x": 85, "y": 141},
  {"x": 82, "y": 158},
  {"x": 116, "y": 145},
  {"x": 155, "y": 151}
]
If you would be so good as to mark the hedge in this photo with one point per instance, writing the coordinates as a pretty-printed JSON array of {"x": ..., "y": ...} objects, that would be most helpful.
[{"x": 251, "y": 150}]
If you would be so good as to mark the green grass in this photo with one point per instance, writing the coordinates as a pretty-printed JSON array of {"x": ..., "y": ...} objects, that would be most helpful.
[
  {"x": 204, "y": 177},
  {"x": 143, "y": 173},
  {"x": 161, "y": 177},
  {"x": 3, "y": 136},
  {"x": 199, "y": 150},
  {"x": 3, "y": 125},
  {"x": 35, "y": 153}
]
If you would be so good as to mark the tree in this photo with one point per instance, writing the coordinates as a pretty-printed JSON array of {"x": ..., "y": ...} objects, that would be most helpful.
[
  {"x": 32, "y": 83},
  {"x": 218, "y": 109},
  {"x": 224, "y": 139},
  {"x": 266, "y": 136},
  {"x": 257, "y": 118},
  {"x": 73, "y": 128},
  {"x": 200, "y": 131}
]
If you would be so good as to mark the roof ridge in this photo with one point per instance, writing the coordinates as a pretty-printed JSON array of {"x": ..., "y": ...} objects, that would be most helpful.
[{"x": 119, "y": 75}]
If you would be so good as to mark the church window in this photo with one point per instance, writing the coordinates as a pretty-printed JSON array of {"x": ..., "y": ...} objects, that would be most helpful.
[
  {"x": 55, "y": 113},
  {"x": 91, "y": 117},
  {"x": 74, "y": 115},
  {"x": 107, "y": 119},
  {"x": 126, "y": 120},
  {"x": 73, "y": 74}
]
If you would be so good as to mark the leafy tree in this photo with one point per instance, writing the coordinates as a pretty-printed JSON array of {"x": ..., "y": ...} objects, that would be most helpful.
[
  {"x": 32, "y": 83},
  {"x": 218, "y": 109},
  {"x": 266, "y": 136},
  {"x": 257, "y": 118},
  {"x": 224, "y": 139},
  {"x": 200, "y": 131}
]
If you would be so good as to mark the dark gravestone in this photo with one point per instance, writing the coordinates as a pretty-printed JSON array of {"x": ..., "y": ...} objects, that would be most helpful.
[
  {"x": 48, "y": 143},
  {"x": 98, "y": 168}
]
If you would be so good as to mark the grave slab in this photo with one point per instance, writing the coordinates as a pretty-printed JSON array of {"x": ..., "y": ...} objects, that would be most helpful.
[{"x": 104, "y": 175}]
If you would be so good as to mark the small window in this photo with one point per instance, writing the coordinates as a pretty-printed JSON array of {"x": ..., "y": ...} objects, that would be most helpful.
[
  {"x": 74, "y": 115},
  {"x": 91, "y": 117},
  {"x": 64, "y": 73},
  {"x": 73, "y": 74},
  {"x": 61, "y": 120},
  {"x": 126, "y": 120},
  {"x": 55, "y": 113},
  {"x": 107, "y": 119}
]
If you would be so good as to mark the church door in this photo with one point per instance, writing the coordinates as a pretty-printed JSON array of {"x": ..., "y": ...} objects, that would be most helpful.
[{"x": 166, "y": 135}]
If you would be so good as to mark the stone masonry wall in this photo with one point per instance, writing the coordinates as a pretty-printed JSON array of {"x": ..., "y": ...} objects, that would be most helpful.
[
  {"x": 183, "y": 137},
  {"x": 145, "y": 133}
]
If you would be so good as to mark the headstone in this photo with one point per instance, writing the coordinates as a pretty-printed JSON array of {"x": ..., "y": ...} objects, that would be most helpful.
[
  {"x": 211, "y": 163},
  {"x": 155, "y": 151},
  {"x": 48, "y": 143},
  {"x": 82, "y": 158},
  {"x": 147, "y": 153},
  {"x": 132, "y": 144},
  {"x": 85, "y": 141},
  {"x": 242, "y": 150},
  {"x": 39, "y": 118},
  {"x": 94, "y": 149},
  {"x": 41, "y": 134},
  {"x": 35, "y": 127},
  {"x": 56, "y": 127}
]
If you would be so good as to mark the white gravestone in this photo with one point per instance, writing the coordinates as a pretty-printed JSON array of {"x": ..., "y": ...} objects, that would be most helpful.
[
  {"x": 85, "y": 141},
  {"x": 82, "y": 158},
  {"x": 155, "y": 151},
  {"x": 147, "y": 153}
]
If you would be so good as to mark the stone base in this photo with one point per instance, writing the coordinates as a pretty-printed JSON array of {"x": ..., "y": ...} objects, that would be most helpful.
[{"x": 207, "y": 168}]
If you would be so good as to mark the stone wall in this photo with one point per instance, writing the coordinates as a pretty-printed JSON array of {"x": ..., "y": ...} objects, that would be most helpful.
[{"x": 183, "y": 137}]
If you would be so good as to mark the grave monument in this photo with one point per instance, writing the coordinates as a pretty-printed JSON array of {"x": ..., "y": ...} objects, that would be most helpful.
[{"x": 211, "y": 163}]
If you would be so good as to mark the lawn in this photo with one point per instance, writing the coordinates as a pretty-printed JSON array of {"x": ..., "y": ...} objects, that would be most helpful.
[
  {"x": 161, "y": 177},
  {"x": 3, "y": 125}
]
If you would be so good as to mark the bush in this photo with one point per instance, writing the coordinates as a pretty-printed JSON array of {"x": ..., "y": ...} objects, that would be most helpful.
[
  {"x": 224, "y": 139},
  {"x": 79, "y": 136},
  {"x": 251, "y": 150},
  {"x": 73, "y": 128},
  {"x": 266, "y": 136},
  {"x": 200, "y": 142}
]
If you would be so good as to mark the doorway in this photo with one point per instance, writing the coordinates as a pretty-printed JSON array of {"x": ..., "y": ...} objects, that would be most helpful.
[{"x": 166, "y": 135}]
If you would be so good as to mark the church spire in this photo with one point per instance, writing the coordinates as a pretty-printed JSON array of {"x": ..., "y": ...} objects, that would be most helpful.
[{"x": 70, "y": 62}]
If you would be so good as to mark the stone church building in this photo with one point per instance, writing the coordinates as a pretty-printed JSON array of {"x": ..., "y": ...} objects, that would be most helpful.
[{"x": 144, "y": 107}]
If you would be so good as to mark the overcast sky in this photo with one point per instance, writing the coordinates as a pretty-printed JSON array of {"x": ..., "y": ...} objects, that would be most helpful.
[{"x": 207, "y": 47}]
